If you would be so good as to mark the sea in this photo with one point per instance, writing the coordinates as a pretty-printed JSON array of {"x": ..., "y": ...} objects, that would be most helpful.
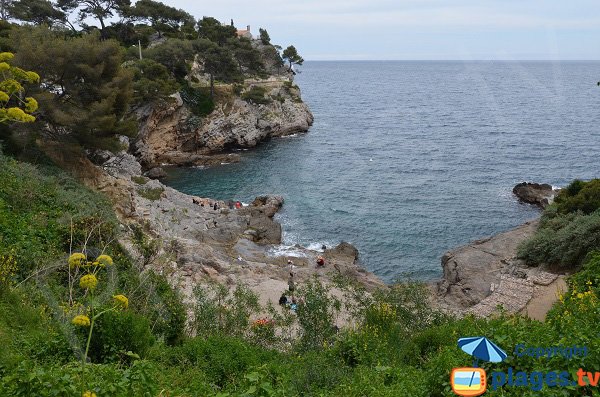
[{"x": 408, "y": 159}]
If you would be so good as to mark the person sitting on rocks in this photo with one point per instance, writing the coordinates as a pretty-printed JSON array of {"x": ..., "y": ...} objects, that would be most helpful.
[
  {"x": 215, "y": 207},
  {"x": 195, "y": 201},
  {"x": 320, "y": 261},
  {"x": 294, "y": 304},
  {"x": 283, "y": 300}
]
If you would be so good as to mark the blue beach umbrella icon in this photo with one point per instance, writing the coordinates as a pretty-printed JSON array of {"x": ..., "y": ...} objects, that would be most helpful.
[{"x": 481, "y": 348}]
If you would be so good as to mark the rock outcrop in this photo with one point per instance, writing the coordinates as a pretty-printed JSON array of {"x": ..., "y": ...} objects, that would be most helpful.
[
  {"x": 470, "y": 270},
  {"x": 171, "y": 134},
  {"x": 486, "y": 274},
  {"x": 198, "y": 243},
  {"x": 535, "y": 193}
]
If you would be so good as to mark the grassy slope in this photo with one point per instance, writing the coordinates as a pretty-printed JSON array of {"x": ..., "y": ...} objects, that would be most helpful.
[{"x": 383, "y": 358}]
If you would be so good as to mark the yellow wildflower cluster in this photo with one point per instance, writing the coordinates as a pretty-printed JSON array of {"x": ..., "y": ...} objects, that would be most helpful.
[
  {"x": 8, "y": 268},
  {"x": 80, "y": 260},
  {"x": 104, "y": 260},
  {"x": 81, "y": 320},
  {"x": 121, "y": 301},
  {"x": 76, "y": 260},
  {"x": 386, "y": 310},
  {"x": 88, "y": 394},
  {"x": 89, "y": 281},
  {"x": 11, "y": 78}
]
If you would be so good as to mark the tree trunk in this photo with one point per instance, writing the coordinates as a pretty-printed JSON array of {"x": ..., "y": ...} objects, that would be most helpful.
[
  {"x": 212, "y": 87},
  {"x": 102, "y": 27}
]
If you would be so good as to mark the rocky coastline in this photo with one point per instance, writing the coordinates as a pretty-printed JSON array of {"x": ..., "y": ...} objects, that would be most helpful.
[
  {"x": 486, "y": 274},
  {"x": 171, "y": 134},
  {"x": 197, "y": 243}
]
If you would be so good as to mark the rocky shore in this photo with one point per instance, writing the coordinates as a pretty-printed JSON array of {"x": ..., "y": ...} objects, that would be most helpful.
[
  {"x": 486, "y": 274},
  {"x": 197, "y": 244}
]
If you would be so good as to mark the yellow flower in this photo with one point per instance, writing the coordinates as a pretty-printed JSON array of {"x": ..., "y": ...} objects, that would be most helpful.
[
  {"x": 88, "y": 394},
  {"x": 76, "y": 259},
  {"x": 89, "y": 281},
  {"x": 104, "y": 260},
  {"x": 121, "y": 300},
  {"x": 81, "y": 320}
]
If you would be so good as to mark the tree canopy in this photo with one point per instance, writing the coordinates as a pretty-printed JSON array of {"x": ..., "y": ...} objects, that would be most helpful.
[
  {"x": 85, "y": 92},
  {"x": 211, "y": 29},
  {"x": 264, "y": 36},
  {"x": 161, "y": 16},
  {"x": 98, "y": 9},
  {"x": 92, "y": 75},
  {"x": 291, "y": 55},
  {"x": 37, "y": 11}
]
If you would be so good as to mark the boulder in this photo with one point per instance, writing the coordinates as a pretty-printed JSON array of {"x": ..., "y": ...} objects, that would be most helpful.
[
  {"x": 156, "y": 173},
  {"x": 535, "y": 193}
]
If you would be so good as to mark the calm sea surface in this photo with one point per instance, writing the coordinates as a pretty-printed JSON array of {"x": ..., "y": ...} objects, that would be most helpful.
[{"x": 409, "y": 159}]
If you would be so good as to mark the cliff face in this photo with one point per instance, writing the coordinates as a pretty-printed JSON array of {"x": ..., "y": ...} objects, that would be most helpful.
[{"x": 172, "y": 134}]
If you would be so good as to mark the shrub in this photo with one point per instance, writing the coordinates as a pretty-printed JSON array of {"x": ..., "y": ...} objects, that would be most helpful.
[
  {"x": 169, "y": 315},
  {"x": 256, "y": 95},
  {"x": 316, "y": 312},
  {"x": 115, "y": 334},
  {"x": 29, "y": 379},
  {"x": 197, "y": 99},
  {"x": 221, "y": 311},
  {"x": 223, "y": 359},
  {"x": 579, "y": 196},
  {"x": 563, "y": 240},
  {"x": 140, "y": 180},
  {"x": 151, "y": 194}
]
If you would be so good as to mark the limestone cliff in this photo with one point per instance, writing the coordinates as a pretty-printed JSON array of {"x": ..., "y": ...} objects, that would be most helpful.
[{"x": 170, "y": 133}]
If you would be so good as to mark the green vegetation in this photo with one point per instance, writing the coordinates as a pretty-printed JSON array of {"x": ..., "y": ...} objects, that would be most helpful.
[
  {"x": 257, "y": 95},
  {"x": 569, "y": 228},
  {"x": 151, "y": 194},
  {"x": 398, "y": 344},
  {"x": 73, "y": 324},
  {"x": 291, "y": 55},
  {"x": 92, "y": 79}
]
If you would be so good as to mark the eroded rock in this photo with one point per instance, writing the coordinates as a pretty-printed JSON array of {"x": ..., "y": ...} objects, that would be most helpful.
[{"x": 535, "y": 193}]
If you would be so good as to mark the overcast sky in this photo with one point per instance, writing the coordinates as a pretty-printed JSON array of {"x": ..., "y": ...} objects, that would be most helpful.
[{"x": 419, "y": 29}]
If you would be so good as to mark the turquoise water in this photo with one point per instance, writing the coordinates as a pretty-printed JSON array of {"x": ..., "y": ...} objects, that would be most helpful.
[{"x": 409, "y": 159}]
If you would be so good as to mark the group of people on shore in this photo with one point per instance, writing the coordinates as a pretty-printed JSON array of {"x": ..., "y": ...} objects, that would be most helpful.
[
  {"x": 288, "y": 298},
  {"x": 215, "y": 206}
]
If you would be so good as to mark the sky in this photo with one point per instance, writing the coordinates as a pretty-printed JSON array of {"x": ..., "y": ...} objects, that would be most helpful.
[{"x": 419, "y": 29}]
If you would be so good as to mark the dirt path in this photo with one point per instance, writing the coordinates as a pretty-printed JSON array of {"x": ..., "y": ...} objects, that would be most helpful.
[{"x": 543, "y": 299}]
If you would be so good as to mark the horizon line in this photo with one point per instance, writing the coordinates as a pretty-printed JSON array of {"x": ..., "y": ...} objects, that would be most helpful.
[{"x": 452, "y": 60}]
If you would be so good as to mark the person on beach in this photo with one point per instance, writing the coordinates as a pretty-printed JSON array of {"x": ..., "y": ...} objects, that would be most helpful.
[
  {"x": 294, "y": 304},
  {"x": 215, "y": 207},
  {"x": 238, "y": 205},
  {"x": 290, "y": 265},
  {"x": 291, "y": 285},
  {"x": 320, "y": 261}
]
